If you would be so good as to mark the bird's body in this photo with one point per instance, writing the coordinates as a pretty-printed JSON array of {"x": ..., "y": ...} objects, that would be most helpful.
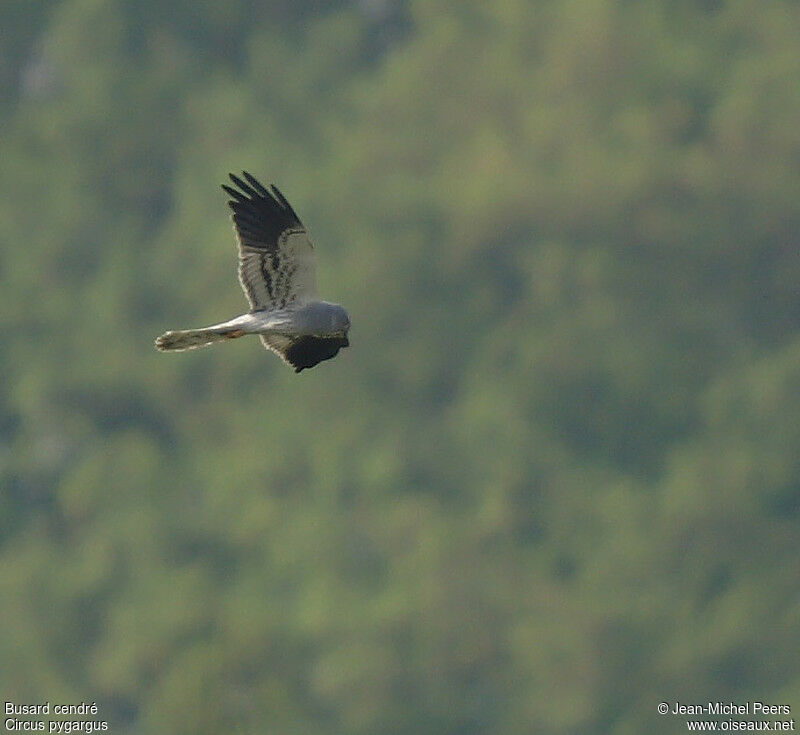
[{"x": 277, "y": 272}]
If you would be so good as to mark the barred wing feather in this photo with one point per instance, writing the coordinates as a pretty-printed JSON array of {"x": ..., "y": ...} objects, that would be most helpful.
[{"x": 277, "y": 265}]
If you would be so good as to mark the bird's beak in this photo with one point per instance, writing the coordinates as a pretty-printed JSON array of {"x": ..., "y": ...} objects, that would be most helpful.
[{"x": 346, "y": 342}]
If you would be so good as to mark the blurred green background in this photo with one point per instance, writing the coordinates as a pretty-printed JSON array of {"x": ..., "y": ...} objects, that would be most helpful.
[{"x": 554, "y": 481}]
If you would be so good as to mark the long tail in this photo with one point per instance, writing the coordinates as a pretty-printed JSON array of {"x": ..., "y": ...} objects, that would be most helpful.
[{"x": 190, "y": 339}]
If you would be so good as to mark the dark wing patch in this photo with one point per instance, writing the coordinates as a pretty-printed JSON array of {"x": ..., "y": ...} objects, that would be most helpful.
[
  {"x": 276, "y": 258},
  {"x": 260, "y": 215},
  {"x": 305, "y": 352}
]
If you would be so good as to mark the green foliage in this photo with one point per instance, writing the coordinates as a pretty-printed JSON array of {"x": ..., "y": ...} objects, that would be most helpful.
[{"x": 555, "y": 479}]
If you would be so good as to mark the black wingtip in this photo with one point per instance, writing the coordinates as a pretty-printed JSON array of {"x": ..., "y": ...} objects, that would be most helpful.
[
  {"x": 283, "y": 201},
  {"x": 246, "y": 188},
  {"x": 251, "y": 200},
  {"x": 237, "y": 195},
  {"x": 255, "y": 183}
]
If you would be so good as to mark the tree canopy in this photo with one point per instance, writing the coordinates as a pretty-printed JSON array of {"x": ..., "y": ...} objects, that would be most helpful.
[{"x": 554, "y": 481}]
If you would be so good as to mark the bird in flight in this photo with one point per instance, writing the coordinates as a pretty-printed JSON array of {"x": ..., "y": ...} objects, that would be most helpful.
[{"x": 277, "y": 270}]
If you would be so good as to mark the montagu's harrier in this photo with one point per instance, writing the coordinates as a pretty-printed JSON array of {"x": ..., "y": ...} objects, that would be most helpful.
[{"x": 277, "y": 270}]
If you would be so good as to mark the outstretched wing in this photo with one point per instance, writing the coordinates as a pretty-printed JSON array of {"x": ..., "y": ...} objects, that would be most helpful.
[
  {"x": 277, "y": 265},
  {"x": 304, "y": 351}
]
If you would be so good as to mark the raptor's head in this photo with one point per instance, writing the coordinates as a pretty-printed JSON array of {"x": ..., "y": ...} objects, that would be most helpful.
[{"x": 340, "y": 323}]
